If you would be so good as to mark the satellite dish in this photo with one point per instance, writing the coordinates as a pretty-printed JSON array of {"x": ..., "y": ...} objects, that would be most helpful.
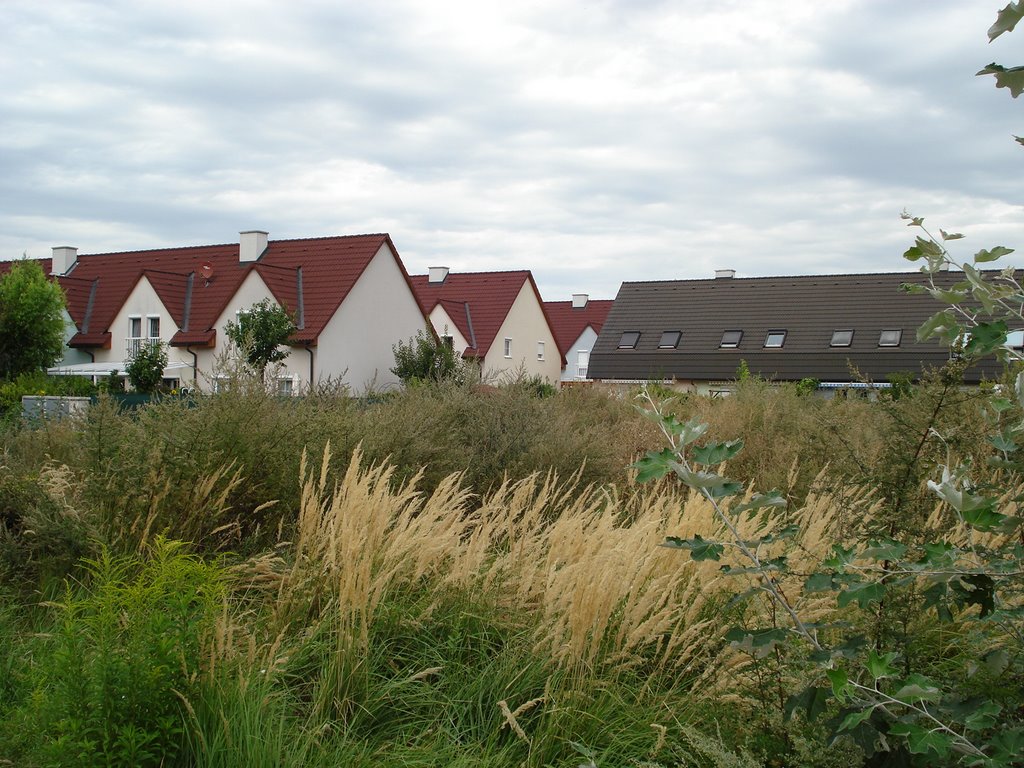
[{"x": 206, "y": 270}]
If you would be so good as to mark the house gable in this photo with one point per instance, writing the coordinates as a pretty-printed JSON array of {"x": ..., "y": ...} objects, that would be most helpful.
[
  {"x": 379, "y": 310},
  {"x": 527, "y": 333}
]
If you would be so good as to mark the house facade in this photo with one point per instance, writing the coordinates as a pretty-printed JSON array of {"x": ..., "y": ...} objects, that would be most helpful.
[
  {"x": 837, "y": 329},
  {"x": 350, "y": 297},
  {"x": 576, "y": 324},
  {"x": 494, "y": 318}
]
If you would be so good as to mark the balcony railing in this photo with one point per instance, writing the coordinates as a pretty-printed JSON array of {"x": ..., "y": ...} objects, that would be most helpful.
[{"x": 134, "y": 343}]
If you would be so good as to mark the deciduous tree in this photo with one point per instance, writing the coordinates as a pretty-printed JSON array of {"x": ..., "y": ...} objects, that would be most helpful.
[
  {"x": 260, "y": 333},
  {"x": 31, "y": 320}
]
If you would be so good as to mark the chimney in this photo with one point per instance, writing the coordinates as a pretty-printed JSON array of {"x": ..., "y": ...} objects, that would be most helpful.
[
  {"x": 252, "y": 244},
  {"x": 437, "y": 274},
  {"x": 724, "y": 274},
  {"x": 64, "y": 258},
  {"x": 579, "y": 300}
]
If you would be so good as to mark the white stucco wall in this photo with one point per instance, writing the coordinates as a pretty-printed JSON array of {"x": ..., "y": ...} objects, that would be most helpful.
[
  {"x": 379, "y": 311},
  {"x": 215, "y": 360},
  {"x": 525, "y": 326},
  {"x": 143, "y": 302},
  {"x": 71, "y": 356},
  {"x": 585, "y": 343},
  {"x": 445, "y": 326}
]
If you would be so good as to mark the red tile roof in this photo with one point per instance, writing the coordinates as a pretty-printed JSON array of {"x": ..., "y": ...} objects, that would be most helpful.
[
  {"x": 568, "y": 322},
  {"x": 99, "y": 284},
  {"x": 477, "y": 302}
]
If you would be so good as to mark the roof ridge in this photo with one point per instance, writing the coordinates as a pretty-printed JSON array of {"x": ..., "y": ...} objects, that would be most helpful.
[
  {"x": 728, "y": 280},
  {"x": 453, "y": 273},
  {"x": 229, "y": 245}
]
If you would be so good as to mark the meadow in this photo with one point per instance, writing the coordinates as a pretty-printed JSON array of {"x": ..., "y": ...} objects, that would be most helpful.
[{"x": 453, "y": 576}]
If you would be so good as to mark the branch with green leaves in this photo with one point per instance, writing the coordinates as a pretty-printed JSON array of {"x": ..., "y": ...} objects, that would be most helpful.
[{"x": 874, "y": 699}]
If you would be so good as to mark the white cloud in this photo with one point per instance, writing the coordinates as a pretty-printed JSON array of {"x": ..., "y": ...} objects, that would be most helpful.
[{"x": 592, "y": 141}]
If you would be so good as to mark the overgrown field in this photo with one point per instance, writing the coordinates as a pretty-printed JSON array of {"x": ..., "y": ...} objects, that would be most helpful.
[{"x": 452, "y": 577}]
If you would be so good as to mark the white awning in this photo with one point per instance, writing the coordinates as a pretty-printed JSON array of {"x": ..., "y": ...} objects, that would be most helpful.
[{"x": 104, "y": 369}]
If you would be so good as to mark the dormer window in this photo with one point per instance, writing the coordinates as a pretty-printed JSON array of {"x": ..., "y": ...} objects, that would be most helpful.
[
  {"x": 670, "y": 340},
  {"x": 629, "y": 339},
  {"x": 774, "y": 339},
  {"x": 731, "y": 339},
  {"x": 890, "y": 338}
]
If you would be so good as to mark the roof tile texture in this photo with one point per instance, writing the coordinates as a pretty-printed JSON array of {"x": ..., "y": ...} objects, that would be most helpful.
[
  {"x": 330, "y": 267},
  {"x": 807, "y": 308}
]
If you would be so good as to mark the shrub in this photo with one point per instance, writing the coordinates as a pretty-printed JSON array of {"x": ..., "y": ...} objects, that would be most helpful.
[
  {"x": 112, "y": 685},
  {"x": 146, "y": 368}
]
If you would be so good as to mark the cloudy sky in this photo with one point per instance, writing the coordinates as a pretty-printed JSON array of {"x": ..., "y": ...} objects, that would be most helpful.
[{"x": 592, "y": 141}]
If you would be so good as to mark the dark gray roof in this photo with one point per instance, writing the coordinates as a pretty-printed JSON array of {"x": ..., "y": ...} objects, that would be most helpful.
[{"x": 808, "y": 308}]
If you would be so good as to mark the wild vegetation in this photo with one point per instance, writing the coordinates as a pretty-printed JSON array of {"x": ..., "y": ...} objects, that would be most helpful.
[{"x": 447, "y": 575}]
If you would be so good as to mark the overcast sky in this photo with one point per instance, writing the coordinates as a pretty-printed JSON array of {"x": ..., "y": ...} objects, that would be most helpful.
[{"x": 592, "y": 141}]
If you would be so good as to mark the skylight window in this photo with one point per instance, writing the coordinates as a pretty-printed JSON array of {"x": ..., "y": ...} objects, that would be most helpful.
[
  {"x": 669, "y": 340},
  {"x": 890, "y": 338},
  {"x": 629, "y": 340},
  {"x": 775, "y": 339},
  {"x": 841, "y": 338},
  {"x": 731, "y": 339}
]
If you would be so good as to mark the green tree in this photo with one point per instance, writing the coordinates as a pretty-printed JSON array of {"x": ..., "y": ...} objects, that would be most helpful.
[
  {"x": 260, "y": 333},
  {"x": 426, "y": 358},
  {"x": 31, "y": 320},
  {"x": 146, "y": 368}
]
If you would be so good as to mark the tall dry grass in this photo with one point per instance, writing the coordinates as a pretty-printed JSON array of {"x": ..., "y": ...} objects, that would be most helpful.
[{"x": 584, "y": 563}]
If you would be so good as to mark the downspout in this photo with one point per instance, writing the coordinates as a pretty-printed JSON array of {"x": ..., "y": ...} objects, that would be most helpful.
[
  {"x": 300, "y": 320},
  {"x": 195, "y": 366},
  {"x": 186, "y": 317},
  {"x": 309, "y": 348}
]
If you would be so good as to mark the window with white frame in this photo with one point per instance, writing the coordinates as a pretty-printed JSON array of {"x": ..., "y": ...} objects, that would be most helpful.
[
  {"x": 582, "y": 361},
  {"x": 508, "y": 347},
  {"x": 153, "y": 323},
  {"x": 540, "y": 350},
  {"x": 286, "y": 385},
  {"x": 134, "y": 340}
]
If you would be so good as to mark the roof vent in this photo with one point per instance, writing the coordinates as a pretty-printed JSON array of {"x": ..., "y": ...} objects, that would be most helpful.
[
  {"x": 437, "y": 274},
  {"x": 579, "y": 300},
  {"x": 251, "y": 244},
  {"x": 64, "y": 258},
  {"x": 724, "y": 274}
]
